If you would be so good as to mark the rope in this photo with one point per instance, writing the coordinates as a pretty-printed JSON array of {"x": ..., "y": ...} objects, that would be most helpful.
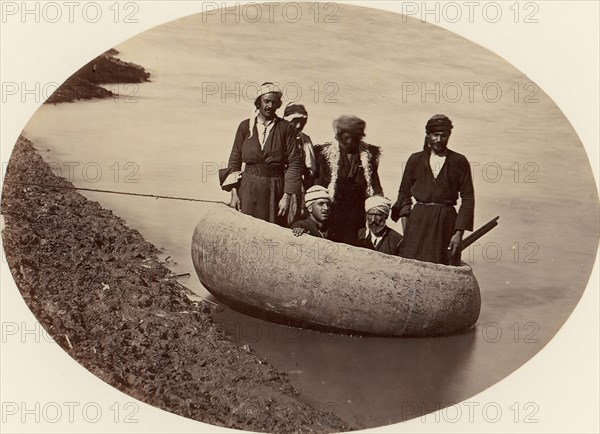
[{"x": 156, "y": 196}]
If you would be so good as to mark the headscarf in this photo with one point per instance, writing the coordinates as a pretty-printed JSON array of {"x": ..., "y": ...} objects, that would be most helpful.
[
  {"x": 264, "y": 89},
  {"x": 349, "y": 124},
  {"x": 294, "y": 110},
  {"x": 379, "y": 203},
  {"x": 316, "y": 192},
  {"x": 438, "y": 123}
]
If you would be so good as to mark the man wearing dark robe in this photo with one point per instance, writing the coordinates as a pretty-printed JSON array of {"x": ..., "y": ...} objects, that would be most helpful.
[
  {"x": 318, "y": 204},
  {"x": 296, "y": 114},
  {"x": 273, "y": 163},
  {"x": 348, "y": 168},
  {"x": 435, "y": 177},
  {"x": 377, "y": 235}
]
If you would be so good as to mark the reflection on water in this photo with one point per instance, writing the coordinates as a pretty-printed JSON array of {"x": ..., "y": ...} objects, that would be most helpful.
[
  {"x": 367, "y": 381},
  {"x": 528, "y": 167}
]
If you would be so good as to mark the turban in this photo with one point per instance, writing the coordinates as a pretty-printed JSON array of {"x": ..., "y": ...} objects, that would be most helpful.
[
  {"x": 349, "y": 124},
  {"x": 438, "y": 123},
  {"x": 266, "y": 88},
  {"x": 378, "y": 203},
  {"x": 294, "y": 110},
  {"x": 316, "y": 192}
]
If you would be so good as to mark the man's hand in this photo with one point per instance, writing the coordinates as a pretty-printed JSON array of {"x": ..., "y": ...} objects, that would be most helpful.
[
  {"x": 455, "y": 247},
  {"x": 284, "y": 204},
  {"x": 404, "y": 221},
  {"x": 293, "y": 209},
  {"x": 299, "y": 231},
  {"x": 395, "y": 212},
  {"x": 235, "y": 202}
]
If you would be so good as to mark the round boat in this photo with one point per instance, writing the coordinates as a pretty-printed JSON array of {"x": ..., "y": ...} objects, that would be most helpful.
[{"x": 263, "y": 270}]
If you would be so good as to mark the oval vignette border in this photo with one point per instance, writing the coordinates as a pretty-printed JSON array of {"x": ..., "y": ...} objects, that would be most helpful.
[{"x": 518, "y": 390}]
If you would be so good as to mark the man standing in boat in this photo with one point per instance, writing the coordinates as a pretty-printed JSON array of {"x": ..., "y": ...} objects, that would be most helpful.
[
  {"x": 435, "y": 177},
  {"x": 377, "y": 235},
  {"x": 348, "y": 169},
  {"x": 318, "y": 204},
  {"x": 273, "y": 164},
  {"x": 296, "y": 114}
]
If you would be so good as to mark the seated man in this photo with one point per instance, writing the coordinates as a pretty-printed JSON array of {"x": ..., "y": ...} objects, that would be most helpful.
[
  {"x": 318, "y": 204},
  {"x": 377, "y": 236}
]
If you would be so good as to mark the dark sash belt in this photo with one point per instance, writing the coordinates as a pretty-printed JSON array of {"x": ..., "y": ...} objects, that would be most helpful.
[
  {"x": 433, "y": 204},
  {"x": 265, "y": 170}
]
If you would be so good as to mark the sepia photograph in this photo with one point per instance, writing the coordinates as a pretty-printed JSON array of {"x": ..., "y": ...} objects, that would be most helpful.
[{"x": 291, "y": 217}]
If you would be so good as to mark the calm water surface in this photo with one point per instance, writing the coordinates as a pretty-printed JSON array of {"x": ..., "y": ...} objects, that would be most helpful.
[{"x": 529, "y": 167}]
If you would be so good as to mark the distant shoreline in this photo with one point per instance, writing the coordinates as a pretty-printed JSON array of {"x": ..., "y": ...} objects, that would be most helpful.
[{"x": 104, "y": 69}]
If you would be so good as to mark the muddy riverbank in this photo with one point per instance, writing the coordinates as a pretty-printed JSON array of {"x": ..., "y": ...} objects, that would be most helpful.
[{"x": 99, "y": 289}]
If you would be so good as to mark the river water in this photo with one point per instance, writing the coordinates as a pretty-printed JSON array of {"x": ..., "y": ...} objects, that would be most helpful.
[{"x": 169, "y": 137}]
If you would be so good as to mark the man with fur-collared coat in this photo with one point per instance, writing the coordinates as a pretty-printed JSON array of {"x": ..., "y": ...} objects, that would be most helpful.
[{"x": 348, "y": 168}]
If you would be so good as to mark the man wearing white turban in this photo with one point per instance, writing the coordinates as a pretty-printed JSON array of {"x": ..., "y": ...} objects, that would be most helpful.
[
  {"x": 318, "y": 204},
  {"x": 377, "y": 235},
  {"x": 273, "y": 163}
]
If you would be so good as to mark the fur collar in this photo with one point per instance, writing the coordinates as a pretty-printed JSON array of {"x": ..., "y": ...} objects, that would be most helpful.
[{"x": 369, "y": 154}]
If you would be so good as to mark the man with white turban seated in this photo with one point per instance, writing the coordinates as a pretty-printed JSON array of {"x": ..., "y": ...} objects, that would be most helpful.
[
  {"x": 318, "y": 204},
  {"x": 377, "y": 235}
]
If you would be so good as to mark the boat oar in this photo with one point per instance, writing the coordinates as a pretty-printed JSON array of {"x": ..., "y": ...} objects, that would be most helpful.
[
  {"x": 480, "y": 233},
  {"x": 456, "y": 258}
]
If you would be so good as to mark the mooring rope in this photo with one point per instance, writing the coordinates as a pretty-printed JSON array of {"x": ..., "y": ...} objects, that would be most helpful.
[
  {"x": 156, "y": 196},
  {"x": 96, "y": 190}
]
